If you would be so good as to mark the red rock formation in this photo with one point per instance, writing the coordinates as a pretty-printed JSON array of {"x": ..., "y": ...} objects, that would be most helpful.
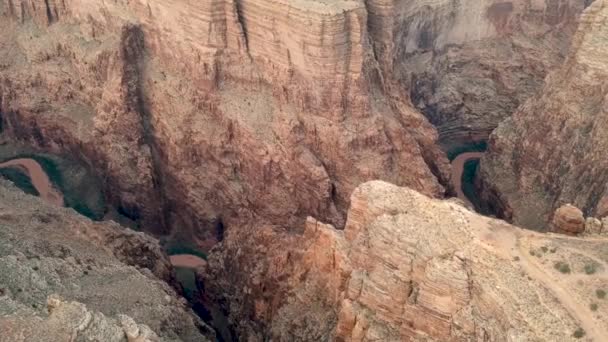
[
  {"x": 193, "y": 118},
  {"x": 405, "y": 267},
  {"x": 552, "y": 151}
]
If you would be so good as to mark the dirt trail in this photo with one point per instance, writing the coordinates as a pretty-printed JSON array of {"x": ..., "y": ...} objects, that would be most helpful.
[
  {"x": 187, "y": 261},
  {"x": 457, "y": 170},
  {"x": 577, "y": 310},
  {"x": 39, "y": 179},
  {"x": 509, "y": 243}
]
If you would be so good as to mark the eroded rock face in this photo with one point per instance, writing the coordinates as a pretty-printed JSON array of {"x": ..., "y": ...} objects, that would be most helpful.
[
  {"x": 406, "y": 267},
  {"x": 568, "y": 219},
  {"x": 98, "y": 278},
  {"x": 195, "y": 113},
  {"x": 469, "y": 65},
  {"x": 552, "y": 150}
]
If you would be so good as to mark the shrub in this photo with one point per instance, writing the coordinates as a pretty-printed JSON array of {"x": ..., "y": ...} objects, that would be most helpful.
[
  {"x": 545, "y": 249},
  {"x": 593, "y": 306},
  {"x": 562, "y": 267},
  {"x": 553, "y": 250},
  {"x": 600, "y": 293},
  {"x": 532, "y": 252},
  {"x": 590, "y": 268},
  {"x": 579, "y": 333}
]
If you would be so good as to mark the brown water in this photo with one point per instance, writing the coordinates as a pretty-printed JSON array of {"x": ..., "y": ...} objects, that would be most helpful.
[
  {"x": 39, "y": 179},
  {"x": 458, "y": 168},
  {"x": 187, "y": 261}
]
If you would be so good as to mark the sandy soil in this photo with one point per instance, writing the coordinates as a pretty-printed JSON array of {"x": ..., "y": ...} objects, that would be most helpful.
[
  {"x": 458, "y": 168},
  {"x": 187, "y": 260},
  {"x": 39, "y": 179}
]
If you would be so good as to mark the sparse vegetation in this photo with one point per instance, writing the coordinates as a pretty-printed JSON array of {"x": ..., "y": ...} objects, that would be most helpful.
[
  {"x": 600, "y": 293},
  {"x": 590, "y": 268},
  {"x": 579, "y": 333},
  {"x": 593, "y": 306},
  {"x": 562, "y": 267}
]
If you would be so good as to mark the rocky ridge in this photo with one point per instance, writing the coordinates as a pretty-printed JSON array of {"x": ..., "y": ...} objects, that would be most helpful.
[
  {"x": 407, "y": 267},
  {"x": 65, "y": 277},
  {"x": 551, "y": 152}
]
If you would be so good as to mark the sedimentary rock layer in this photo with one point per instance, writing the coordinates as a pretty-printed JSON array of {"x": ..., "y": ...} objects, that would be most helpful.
[
  {"x": 552, "y": 151},
  {"x": 406, "y": 267},
  {"x": 198, "y": 112},
  {"x": 468, "y": 65}
]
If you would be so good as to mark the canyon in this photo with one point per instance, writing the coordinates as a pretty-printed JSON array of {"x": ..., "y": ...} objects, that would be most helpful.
[{"x": 297, "y": 158}]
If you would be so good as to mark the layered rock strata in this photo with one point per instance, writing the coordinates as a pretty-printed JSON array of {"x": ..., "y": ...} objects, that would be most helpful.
[
  {"x": 407, "y": 267},
  {"x": 469, "y": 65},
  {"x": 66, "y": 278},
  {"x": 192, "y": 110},
  {"x": 551, "y": 151}
]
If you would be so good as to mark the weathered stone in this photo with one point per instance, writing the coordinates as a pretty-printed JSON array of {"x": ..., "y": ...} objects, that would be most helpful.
[
  {"x": 95, "y": 279},
  {"x": 593, "y": 226},
  {"x": 552, "y": 150},
  {"x": 405, "y": 267},
  {"x": 568, "y": 219}
]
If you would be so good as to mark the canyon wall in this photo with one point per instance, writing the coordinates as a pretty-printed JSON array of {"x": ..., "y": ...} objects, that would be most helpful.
[
  {"x": 551, "y": 152},
  {"x": 197, "y": 113},
  {"x": 406, "y": 268},
  {"x": 67, "y": 278},
  {"x": 468, "y": 65}
]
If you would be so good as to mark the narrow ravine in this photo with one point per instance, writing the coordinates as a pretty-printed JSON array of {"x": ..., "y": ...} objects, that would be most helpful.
[{"x": 39, "y": 179}]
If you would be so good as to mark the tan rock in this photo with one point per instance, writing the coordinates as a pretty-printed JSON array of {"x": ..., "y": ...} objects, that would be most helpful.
[
  {"x": 407, "y": 267},
  {"x": 593, "y": 226},
  {"x": 84, "y": 280}
]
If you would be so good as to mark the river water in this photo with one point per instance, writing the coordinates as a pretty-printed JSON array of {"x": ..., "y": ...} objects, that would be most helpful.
[
  {"x": 457, "y": 170},
  {"x": 39, "y": 179}
]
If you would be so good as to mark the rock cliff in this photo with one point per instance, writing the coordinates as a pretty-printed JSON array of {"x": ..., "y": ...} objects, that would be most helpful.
[
  {"x": 468, "y": 65},
  {"x": 407, "y": 267},
  {"x": 195, "y": 113},
  {"x": 67, "y": 278},
  {"x": 551, "y": 152}
]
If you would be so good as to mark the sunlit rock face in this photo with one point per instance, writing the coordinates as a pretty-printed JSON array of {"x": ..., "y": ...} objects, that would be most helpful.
[{"x": 405, "y": 267}]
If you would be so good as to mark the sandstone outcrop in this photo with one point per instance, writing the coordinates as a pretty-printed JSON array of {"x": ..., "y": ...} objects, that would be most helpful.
[
  {"x": 195, "y": 113},
  {"x": 98, "y": 279},
  {"x": 568, "y": 219},
  {"x": 552, "y": 150},
  {"x": 69, "y": 321},
  {"x": 406, "y": 267},
  {"x": 593, "y": 226}
]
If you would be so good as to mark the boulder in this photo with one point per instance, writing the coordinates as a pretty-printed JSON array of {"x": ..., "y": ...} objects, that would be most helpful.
[{"x": 568, "y": 219}]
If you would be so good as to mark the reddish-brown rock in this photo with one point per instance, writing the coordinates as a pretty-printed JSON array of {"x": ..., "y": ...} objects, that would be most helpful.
[
  {"x": 552, "y": 151},
  {"x": 405, "y": 267},
  {"x": 194, "y": 119},
  {"x": 568, "y": 219}
]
